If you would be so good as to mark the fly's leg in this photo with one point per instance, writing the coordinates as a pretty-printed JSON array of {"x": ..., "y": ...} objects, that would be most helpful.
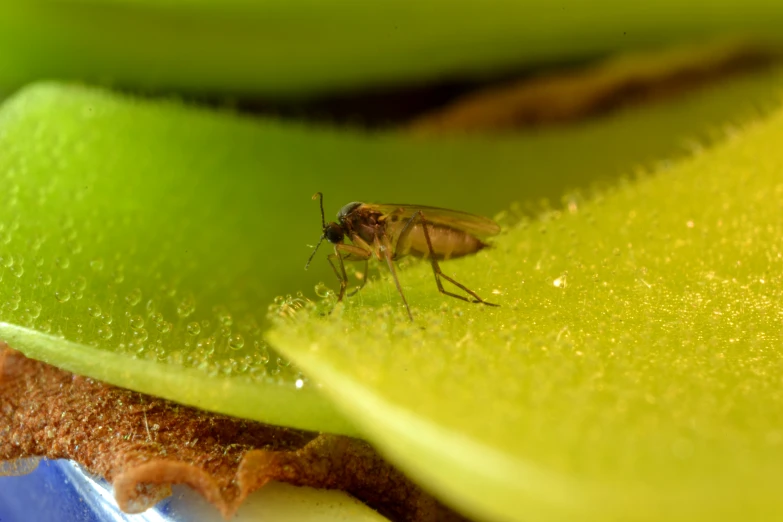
[
  {"x": 341, "y": 275},
  {"x": 436, "y": 267},
  {"x": 387, "y": 253},
  {"x": 349, "y": 250},
  {"x": 364, "y": 279}
]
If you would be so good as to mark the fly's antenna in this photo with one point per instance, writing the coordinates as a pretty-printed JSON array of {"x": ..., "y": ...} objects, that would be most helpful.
[
  {"x": 314, "y": 251},
  {"x": 320, "y": 196},
  {"x": 323, "y": 220}
]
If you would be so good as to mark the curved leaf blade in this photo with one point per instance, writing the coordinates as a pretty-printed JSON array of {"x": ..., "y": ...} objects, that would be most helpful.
[{"x": 631, "y": 373}]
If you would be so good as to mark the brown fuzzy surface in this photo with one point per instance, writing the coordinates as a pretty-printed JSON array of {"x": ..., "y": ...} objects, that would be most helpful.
[{"x": 143, "y": 445}]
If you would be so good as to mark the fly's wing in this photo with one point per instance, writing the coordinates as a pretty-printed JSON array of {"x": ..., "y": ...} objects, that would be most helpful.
[{"x": 478, "y": 226}]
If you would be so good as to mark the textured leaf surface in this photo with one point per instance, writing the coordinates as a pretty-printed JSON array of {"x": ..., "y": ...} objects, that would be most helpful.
[{"x": 633, "y": 371}]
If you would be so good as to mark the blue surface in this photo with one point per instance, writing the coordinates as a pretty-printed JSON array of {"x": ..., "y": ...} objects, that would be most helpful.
[{"x": 60, "y": 491}]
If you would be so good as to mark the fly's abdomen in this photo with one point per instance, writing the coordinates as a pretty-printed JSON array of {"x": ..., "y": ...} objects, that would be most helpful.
[{"x": 446, "y": 242}]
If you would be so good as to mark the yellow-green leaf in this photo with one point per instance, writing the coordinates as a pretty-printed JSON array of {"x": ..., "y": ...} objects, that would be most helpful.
[{"x": 632, "y": 372}]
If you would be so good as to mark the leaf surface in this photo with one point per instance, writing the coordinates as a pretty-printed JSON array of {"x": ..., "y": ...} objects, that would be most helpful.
[{"x": 632, "y": 371}]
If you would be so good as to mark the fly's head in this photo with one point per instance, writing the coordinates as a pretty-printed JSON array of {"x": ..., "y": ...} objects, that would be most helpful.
[{"x": 332, "y": 232}]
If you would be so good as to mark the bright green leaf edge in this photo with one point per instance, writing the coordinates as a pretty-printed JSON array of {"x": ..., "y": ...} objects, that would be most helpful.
[
  {"x": 283, "y": 405},
  {"x": 632, "y": 372},
  {"x": 291, "y": 49},
  {"x": 62, "y": 136}
]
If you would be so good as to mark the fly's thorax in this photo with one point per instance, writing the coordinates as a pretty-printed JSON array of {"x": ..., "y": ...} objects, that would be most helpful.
[
  {"x": 348, "y": 209},
  {"x": 362, "y": 221},
  {"x": 367, "y": 232}
]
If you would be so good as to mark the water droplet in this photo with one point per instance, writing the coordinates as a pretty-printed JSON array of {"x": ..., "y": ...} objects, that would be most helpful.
[
  {"x": 45, "y": 279},
  {"x": 35, "y": 309},
  {"x": 134, "y": 297},
  {"x": 186, "y": 307},
  {"x": 194, "y": 328},
  {"x": 97, "y": 264},
  {"x": 236, "y": 342},
  {"x": 140, "y": 335},
  {"x": 118, "y": 276},
  {"x": 62, "y": 262},
  {"x": 263, "y": 355},
  {"x": 62, "y": 296},
  {"x": 226, "y": 319},
  {"x": 7, "y": 260},
  {"x": 106, "y": 319},
  {"x": 17, "y": 270},
  {"x": 207, "y": 345},
  {"x": 136, "y": 322},
  {"x": 46, "y": 326},
  {"x": 225, "y": 331},
  {"x": 94, "y": 310},
  {"x": 164, "y": 326},
  {"x": 321, "y": 290},
  {"x": 105, "y": 333},
  {"x": 79, "y": 284}
]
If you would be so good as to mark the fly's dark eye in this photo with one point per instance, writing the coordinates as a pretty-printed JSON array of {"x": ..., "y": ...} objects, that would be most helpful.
[{"x": 334, "y": 233}]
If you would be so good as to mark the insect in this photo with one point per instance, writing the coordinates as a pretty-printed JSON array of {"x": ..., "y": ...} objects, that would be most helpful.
[{"x": 390, "y": 232}]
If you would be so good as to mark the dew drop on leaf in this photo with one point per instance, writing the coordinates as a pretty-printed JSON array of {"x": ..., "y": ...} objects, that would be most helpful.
[
  {"x": 79, "y": 284},
  {"x": 134, "y": 297},
  {"x": 194, "y": 328},
  {"x": 140, "y": 335},
  {"x": 164, "y": 326},
  {"x": 186, "y": 307},
  {"x": 136, "y": 322},
  {"x": 236, "y": 342},
  {"x": 35, "y": 309}
]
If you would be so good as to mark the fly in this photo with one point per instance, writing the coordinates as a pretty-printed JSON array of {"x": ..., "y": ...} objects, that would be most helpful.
[{"x": 390, "y": 232}]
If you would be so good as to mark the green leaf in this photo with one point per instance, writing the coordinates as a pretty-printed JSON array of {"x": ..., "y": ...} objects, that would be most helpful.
[
  {"x": 291, "y": 49},
  {"x": 632, "y": 372},
  {"x": 118, "y": 211},
  {"x": 131, "y": 237}
]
